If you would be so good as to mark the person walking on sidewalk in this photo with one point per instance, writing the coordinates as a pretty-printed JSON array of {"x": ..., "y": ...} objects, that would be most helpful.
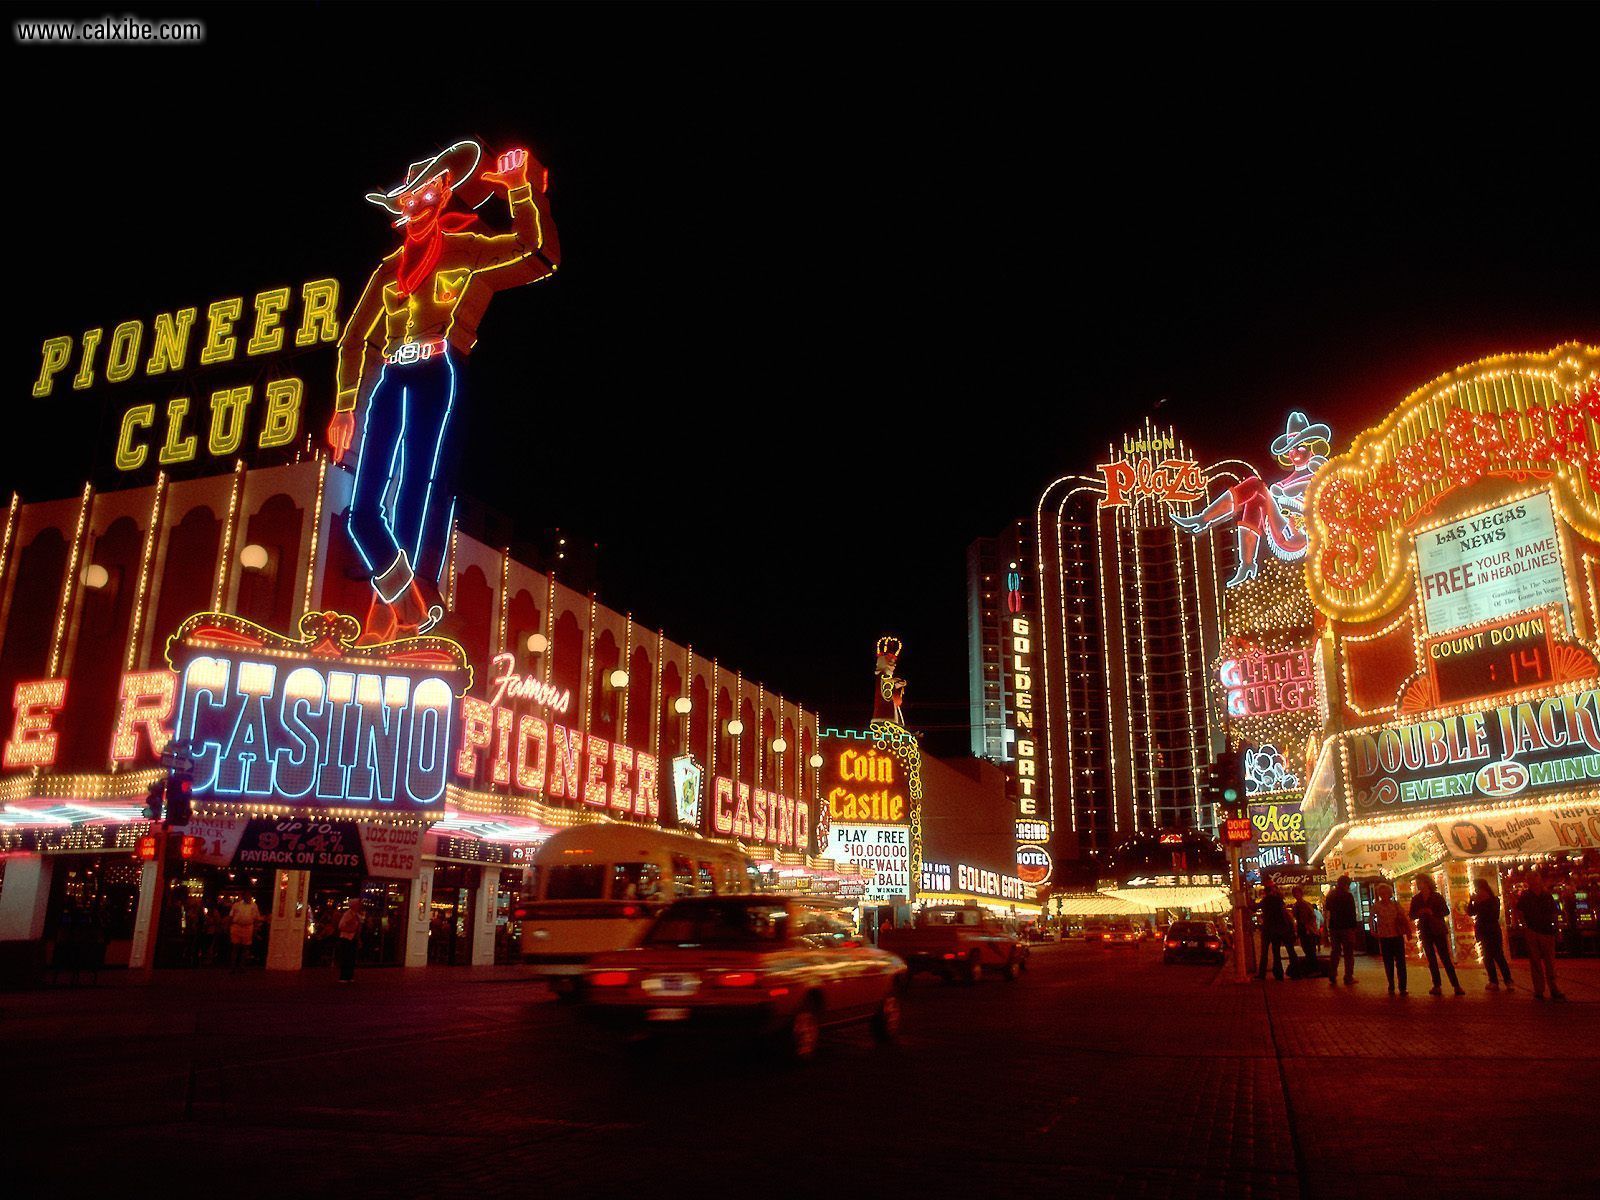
[
  {"x": 243, "y": 918},
  {"x": 1393, "y": 929},
  {"x": 1484, "y": 908},
  {"x": 1537, "y": 907},
  {"x": 1429, "y": 911},
  {"x": 351, "y": 922},
  {"x": 1339, "y": 911},
  {"x": 1305, "y": 924},
  {"x": 1277, "y": 931}
]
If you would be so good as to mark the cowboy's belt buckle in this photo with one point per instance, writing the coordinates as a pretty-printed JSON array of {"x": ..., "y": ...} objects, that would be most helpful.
[{"x": 409, "y": 352}]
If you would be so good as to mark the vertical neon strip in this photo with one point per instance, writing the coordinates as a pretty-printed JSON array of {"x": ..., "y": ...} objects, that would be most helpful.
[
  {"x": 716, "y": 683},
  {"x": 505, "y": 578},
  {"x": 152, "y": 534},
  {"x": 229, "y": 533},
  {"x": 69, "y": 585},
  {"x": 688, "y": 690},
  {"x": 738, "y": 715},
  {"x": 627, "y": 662},
  {"x": 588, "y": 669},
  {"x": 12, "y": 513},
  {"x": 761, "y": 732},
  {"x": 323, "y": 467},
  {"x": 1106, "y": 582},
  {"x": 1134, "y": 530}
]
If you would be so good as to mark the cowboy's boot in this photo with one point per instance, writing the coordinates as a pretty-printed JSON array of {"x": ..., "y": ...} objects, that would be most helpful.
[
  {"x": 380, "y": 623},
  {"x": 411, "y": 610},
  {"x": 1249, "y": 548},
  {"x": 1215, "y": 513}
]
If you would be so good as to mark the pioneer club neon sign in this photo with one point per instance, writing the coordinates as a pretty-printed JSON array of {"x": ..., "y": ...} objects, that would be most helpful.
[{"x": 178, "y": 345}]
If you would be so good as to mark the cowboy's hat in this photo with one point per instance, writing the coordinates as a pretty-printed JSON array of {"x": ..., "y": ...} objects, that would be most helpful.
[
  {"x": 461, "y": 160},
  {"x": 1298, "y": 432}
]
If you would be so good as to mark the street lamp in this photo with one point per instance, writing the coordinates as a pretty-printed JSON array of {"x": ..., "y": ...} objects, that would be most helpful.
[
  {"x": 538, "y": 643},
  {"x": 735, "y": 727},
  {"x": 253, "y": 557},
  {"x": 95, "y": 576},
  {"x": 681, "y": 706},
  {"x": 815, "y": 760},
  {"x": 618, "y": 679},
  {"x": 779, "y": 745}
]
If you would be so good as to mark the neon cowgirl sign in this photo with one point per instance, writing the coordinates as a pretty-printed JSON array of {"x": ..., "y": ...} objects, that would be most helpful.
[{"x": 274, "y": 719}]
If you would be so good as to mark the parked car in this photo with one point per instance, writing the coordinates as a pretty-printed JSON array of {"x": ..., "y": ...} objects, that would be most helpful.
[
  {"x": 958, "y": 942},
  {"x": 1094, "y": 931},
  {"x": 763, "y": 965},
  {"x": 1193, "y": 941}
]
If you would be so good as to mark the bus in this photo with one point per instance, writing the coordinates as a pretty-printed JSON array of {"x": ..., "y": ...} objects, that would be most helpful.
[{"x": 594, "y": 888}]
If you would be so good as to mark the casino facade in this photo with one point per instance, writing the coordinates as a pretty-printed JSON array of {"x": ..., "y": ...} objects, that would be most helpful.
[
  {"x": 134, "y": 613},
  {"x": 1455, "y": 567}
]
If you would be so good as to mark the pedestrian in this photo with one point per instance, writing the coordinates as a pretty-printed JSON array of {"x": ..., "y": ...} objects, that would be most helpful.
[
  {"x": 1339, "y": 916},
  {"x": 1429, "y": 910},
  {"x": 1392, "y": 926},
  {"x": 1537, "y": 907},
  {"x": 1305, "y": 924},
  {"x": 1277, "y": 931},
  {"x": 217, "y": 926},
  {"x": 1484, "y": 908},
  {"x": 351, "y": 922},
  {"x": 243, "y": 918}
]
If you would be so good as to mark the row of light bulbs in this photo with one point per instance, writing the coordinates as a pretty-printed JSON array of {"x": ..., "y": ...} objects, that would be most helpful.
[
  {"x": 251, "y": 558},
  {"x": 618, "y": 679}
]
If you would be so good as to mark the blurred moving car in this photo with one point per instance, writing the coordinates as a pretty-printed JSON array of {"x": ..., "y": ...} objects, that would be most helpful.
[
  {"x": 1121, "y": 933},
  {"x": 764, "y": 965},
  {"x": 958, "y": 942},
  {"x": 1094, "y": 931},
  {"x": 1193, "y": 941}
]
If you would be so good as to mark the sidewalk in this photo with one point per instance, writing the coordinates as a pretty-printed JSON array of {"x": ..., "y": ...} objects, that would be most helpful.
[{"x": 1578, "y": 978}]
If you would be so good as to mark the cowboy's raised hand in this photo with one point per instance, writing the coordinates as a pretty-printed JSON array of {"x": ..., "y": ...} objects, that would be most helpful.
[{"x": 511, "y": 170}]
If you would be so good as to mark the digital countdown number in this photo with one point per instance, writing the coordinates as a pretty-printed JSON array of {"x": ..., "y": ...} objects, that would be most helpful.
[{"x": 1478, "y": 664}]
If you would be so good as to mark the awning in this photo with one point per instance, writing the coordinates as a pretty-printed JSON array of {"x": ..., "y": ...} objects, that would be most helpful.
[{"x": 1196, "y": 899}]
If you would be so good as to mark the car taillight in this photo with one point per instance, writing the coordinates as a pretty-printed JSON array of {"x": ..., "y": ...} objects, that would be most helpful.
[
  {"x": 609, "y": 979},
  {"x": 1213, "y": 945},
  {"x": 949, "y": 955},
  {"x": 519, "y": 913},
  {"x": 630, "y": 910},
  {"x": 736, "y": 979},
  {"x": 1172, "y": 942}
]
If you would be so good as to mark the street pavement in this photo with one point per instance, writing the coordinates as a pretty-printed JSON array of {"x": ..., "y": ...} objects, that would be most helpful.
[{"x": 1100, "y": 1073}]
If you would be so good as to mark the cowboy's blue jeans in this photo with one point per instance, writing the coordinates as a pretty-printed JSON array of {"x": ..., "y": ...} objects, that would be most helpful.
[{"x": 404, "y": 501}]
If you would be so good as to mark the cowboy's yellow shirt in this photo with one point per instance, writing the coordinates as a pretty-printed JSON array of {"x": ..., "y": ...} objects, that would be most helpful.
[{"x": 449, "y": 304}]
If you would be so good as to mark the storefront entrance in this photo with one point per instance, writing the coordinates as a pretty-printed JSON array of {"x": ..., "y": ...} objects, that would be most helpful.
[
  {"x": 382, "y": 942},
  {"x": 450, "y": 921}
]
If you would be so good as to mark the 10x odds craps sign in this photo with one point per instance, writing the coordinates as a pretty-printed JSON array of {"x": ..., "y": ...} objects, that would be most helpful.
[{"x": 315, "y": 721}]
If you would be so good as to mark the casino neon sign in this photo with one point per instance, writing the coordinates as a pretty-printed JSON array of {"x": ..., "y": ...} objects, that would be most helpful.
[{"x": 310, "y": 721}]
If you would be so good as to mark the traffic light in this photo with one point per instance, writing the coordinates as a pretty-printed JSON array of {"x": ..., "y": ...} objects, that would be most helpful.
[
  {"x": 178, "y": 806},
  {"x": 153, "y": 799},
  {"x": 1230, "y": 780}
]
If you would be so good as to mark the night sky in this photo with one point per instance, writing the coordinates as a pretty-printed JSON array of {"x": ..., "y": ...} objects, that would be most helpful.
[{"x": 843, "y": 287}]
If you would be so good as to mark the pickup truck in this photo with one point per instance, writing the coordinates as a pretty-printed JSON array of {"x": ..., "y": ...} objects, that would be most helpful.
[{"x": 958, "y": 942}]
